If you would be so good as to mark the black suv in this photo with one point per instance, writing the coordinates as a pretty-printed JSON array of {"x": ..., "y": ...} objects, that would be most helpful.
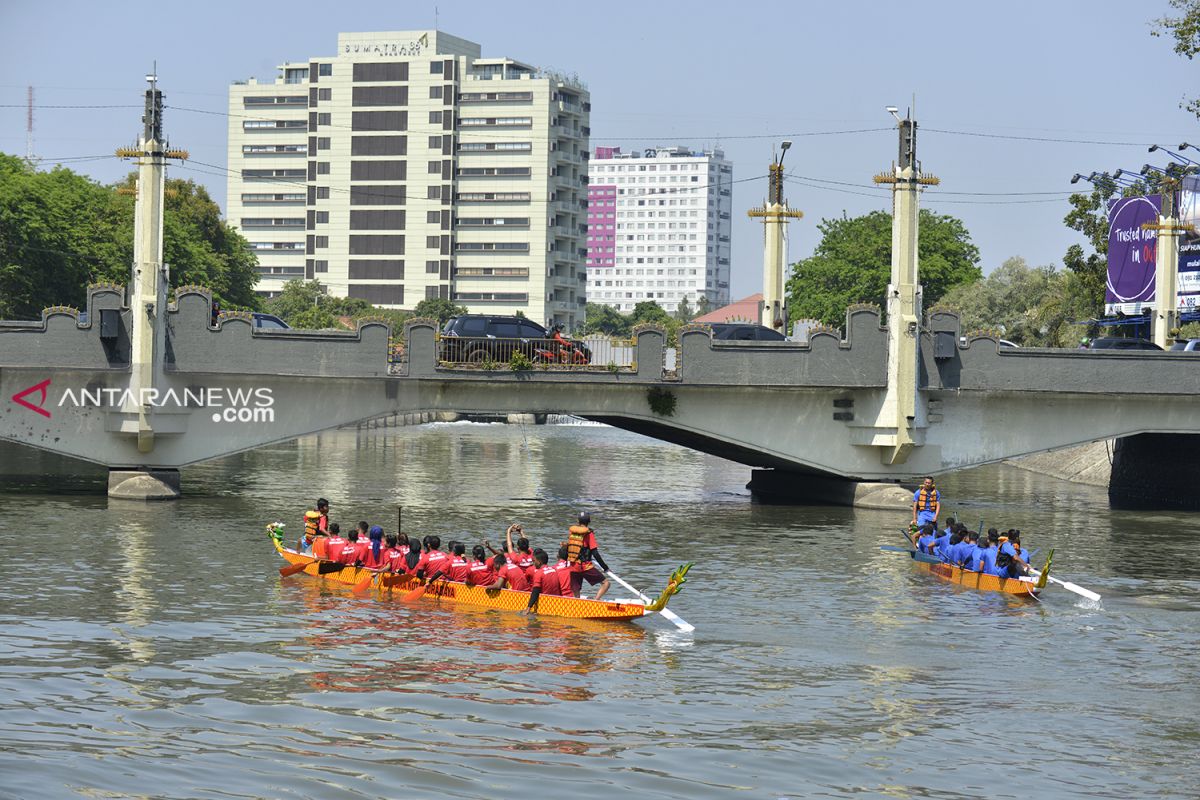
[
  {"x": 476, "y": 338},
  {"x": 1117, "y": 343},
  {"x": 745, "y": 332}
]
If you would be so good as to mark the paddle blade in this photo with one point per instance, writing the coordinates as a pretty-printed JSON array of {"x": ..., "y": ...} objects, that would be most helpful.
[
  {"x": 365, "y": 583},
  {"x": 292, "y": 569},
  {"x": 414, "y": 595}
]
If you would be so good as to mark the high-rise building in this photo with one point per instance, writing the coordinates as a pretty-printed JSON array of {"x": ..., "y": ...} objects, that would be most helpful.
[
  {"x": 659, "y": 226},
  {"x": 406, "y": 167}
]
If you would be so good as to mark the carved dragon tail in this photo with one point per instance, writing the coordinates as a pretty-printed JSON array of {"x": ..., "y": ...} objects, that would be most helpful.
[{"x": 674, "y": 585}]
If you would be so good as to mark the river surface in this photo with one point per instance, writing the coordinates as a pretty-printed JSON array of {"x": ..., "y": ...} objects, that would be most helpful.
[{"x": 154, "y": 650}]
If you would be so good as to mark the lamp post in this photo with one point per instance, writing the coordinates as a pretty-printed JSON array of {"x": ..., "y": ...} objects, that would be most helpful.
[{"x": 775, "y": 215}]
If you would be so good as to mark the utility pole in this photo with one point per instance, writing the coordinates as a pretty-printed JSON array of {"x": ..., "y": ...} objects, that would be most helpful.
[
  {"x": 901, "y": 413},
  {"x": 29, "y": 125},
  {"x": 775, "y": 215},
  {"x": 1166, "y": 264},
  {"x": 150, "y": 279}
]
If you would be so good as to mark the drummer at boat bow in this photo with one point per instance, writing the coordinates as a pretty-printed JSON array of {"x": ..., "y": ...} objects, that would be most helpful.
[{"x": 927, "y": 503}]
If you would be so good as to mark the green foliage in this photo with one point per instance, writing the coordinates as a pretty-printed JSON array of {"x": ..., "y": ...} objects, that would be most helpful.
[
  {"x": 304, "y": 304},
  {"x": 605, "y": 319},
  {"x": 1032, "y": 306},
  {"x": 702, "y": 306},
  {"x": 662, "y": 401},
  {"x": 519, "y": 362},
  {"x": 683, "y": 311},
  {"x": 1185, "y": 30},
  {"x": 649, "y": 311},
  {"x": 439, "y": 309},
  {"x": 852, "y": 264},
  {"x": 1190, "y": 330},
  {"x": 60, "y": 231}
]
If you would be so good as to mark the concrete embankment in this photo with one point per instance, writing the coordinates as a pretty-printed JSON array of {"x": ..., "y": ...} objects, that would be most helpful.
[{"x": 1089, "y": 464}]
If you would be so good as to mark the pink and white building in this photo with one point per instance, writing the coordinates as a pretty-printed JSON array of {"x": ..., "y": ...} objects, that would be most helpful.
[{"x": 659, "y": 224}]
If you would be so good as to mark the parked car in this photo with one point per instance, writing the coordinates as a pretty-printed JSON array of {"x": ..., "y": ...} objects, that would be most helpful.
[
  {"x": 1187, "y": 346},
  {"x": 476, "y": 338},
  {"x": 1118, "y": 343},
  {"x": 745, "y": 332},
  {"x": 269, "y": 322}
]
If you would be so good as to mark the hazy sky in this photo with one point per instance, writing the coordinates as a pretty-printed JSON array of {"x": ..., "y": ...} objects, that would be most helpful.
[{"x": 698, "y": 74}]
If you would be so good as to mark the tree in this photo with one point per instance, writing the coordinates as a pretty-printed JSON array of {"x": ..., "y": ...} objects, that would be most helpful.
[
  {"x": 440, "y": 309},
  {"x": 702, "y": 306},
  {"x": 1185, "y": 30},
  {"x": 605, "y": 319},
  {"x": 649, "y": 311},
  {"x": 683, "y": 311},
  {"x": 852, "y": 264},
  {"x": 1009, "y": 300},
  {"x": 60, "y": 231}
]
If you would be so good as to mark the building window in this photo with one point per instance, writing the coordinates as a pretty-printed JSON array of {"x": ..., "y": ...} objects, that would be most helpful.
[
  {"x": 435, "y": 67},
  {"x": 323, "y": 119},
  {"x": 322, "y": 192},
  {"x": 433, "y": 242},
  {"x": 322, "y": 216},
  {"x": 433, "y": 193},
  {"x": 321, "y": 265},
  {"x": 322, "y": 167},
  {"x": 433, "y": 217},
  {"x": 323, "y": 143},
  {"x": 321, "y": 241},
  {"x": 435, "y": 117},
  {"x": 435, "y": 93},
  {"x": 324, "y": 94},
  {"x": 435, "y": 168},
  {"x": 324, "y": 70},
  {"x": 435, "y": 143},
  {"x": 431, "y": 267}
]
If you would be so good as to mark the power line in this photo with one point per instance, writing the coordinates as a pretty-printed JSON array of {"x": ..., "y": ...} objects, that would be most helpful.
[
  {"x": 42, "y": 107},
  {"x": 1035, "y": 138}
]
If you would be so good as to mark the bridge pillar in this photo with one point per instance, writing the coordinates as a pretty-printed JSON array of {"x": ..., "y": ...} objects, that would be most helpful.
[
  {"x": 143, "y": 484},
  {"x": 1155, "y": 471}
]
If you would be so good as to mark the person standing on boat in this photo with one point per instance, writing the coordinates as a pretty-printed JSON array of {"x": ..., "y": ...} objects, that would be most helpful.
[
  {"x": 927, "y": 503},
  {"x": 305, "y": 545},
  {"x": 323, "y": 510},
  {"x": 582, "y": 550}
]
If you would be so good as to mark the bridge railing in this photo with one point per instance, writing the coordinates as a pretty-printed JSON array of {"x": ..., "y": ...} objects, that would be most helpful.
[{"x": 591, "y": 353}]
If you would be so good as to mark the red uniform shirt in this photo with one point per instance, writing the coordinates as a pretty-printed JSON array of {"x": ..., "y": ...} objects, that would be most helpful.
[
  {"x": 481, "y": 574},
  {"x": 565, "y": 568},
  {"x": 458, "y": 569},
  {"x": 516, "y": 577},
  {"x": 333, "y": 546},
  {"x": 546, "y": 578},
  {"x": 369, "y": 559},
  {"x": 364, "y": 550},
  {"x": 323, "y": 523},
  {"x": 393, "y": 558},
  {"x": 431, "y": 562},
  {"x": 525, "y": 562},
  {"x": 346, "y": 554}
]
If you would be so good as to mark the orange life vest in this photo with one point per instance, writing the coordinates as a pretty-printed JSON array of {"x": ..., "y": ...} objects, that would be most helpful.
[
  {"x": 926, "y": 498},
  {"x": 575, "y": 539}
]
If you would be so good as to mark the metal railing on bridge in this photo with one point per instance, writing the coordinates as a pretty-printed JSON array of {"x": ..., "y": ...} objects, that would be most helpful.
[{"x": 592, "y": 353}]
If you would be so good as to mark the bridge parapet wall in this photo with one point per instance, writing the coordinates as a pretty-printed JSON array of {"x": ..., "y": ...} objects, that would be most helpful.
[
  {"x": 858, "y": 361},
  {"x": 60, "y": 340},
  {"x": 233, "y": 346}
]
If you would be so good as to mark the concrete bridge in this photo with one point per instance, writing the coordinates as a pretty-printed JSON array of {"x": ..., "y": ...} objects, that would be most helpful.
[
  {"x": 145, "y": 387},
  {"x": 803, "y": 410}
]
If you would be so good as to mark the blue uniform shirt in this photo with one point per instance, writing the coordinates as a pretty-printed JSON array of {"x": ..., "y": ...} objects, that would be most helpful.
[
  {"x": 923, "y": 543},
  {"x": 973, "y": 555},
  {"x": 960, "y": 553},
  {"x": 988, "y": 557},
  {"x": 940, "y": 544}
]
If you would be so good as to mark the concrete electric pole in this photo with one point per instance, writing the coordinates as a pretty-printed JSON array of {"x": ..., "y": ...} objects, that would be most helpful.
[
  {"x": 1166, "y": 262},
  {"x": 775, "y": 215},
  {"x": 150, "y": 280}
]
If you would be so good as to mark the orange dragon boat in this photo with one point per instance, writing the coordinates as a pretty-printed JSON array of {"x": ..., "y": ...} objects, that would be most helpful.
[
  {"x": 1022, "y": 587},
  {"x": 461, "y": 593}
]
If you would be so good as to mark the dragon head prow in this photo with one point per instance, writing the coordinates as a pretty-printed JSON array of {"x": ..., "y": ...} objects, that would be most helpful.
[{"x": 674, "y": 585}]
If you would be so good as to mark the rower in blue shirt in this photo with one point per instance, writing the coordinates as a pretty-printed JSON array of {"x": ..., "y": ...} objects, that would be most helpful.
[
  {"x": 940, "y": 544},
  {"x": 987, "y": 556},
  {"x": 925, "y": 541},
  {"x": 960, "y": 551},
  {"x": 968, "y": 551},
  {"x": 951, "y": 525}
]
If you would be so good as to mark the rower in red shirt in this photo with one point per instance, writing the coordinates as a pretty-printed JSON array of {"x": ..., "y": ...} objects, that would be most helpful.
[
  {"x": 565, "y": 571},
  {"x": 545, "y": 581},
  {"x": 432, "y": 560},
  {"x": 363, "y": 542},
  {"x": 393, "y": 555},
  {"x": 481, "y": 572},
  {"x": 373, "y": 557},
  {"x": 510, "y": 573},
  {"x": 522, "y": 554},
  {"x": 348, "y": 553},
  {"x": 334, "y": 542},
  {"x": 458, "y": 569}
]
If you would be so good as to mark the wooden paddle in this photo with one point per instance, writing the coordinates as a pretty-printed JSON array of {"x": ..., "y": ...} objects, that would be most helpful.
[
  {"x": 292, "y": 569},
  {"x": 675, "y": 619},
  {"x": 365, "y": 583},
  {"x": 916, "y": 555},
  {"x": 415, "y": 594}
]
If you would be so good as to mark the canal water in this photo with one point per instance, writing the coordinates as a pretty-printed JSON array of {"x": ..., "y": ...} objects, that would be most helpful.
[{"x": 154, "y": 651}]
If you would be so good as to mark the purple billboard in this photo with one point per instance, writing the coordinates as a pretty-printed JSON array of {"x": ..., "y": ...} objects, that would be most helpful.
[{"x": 1131, "y": 254}]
